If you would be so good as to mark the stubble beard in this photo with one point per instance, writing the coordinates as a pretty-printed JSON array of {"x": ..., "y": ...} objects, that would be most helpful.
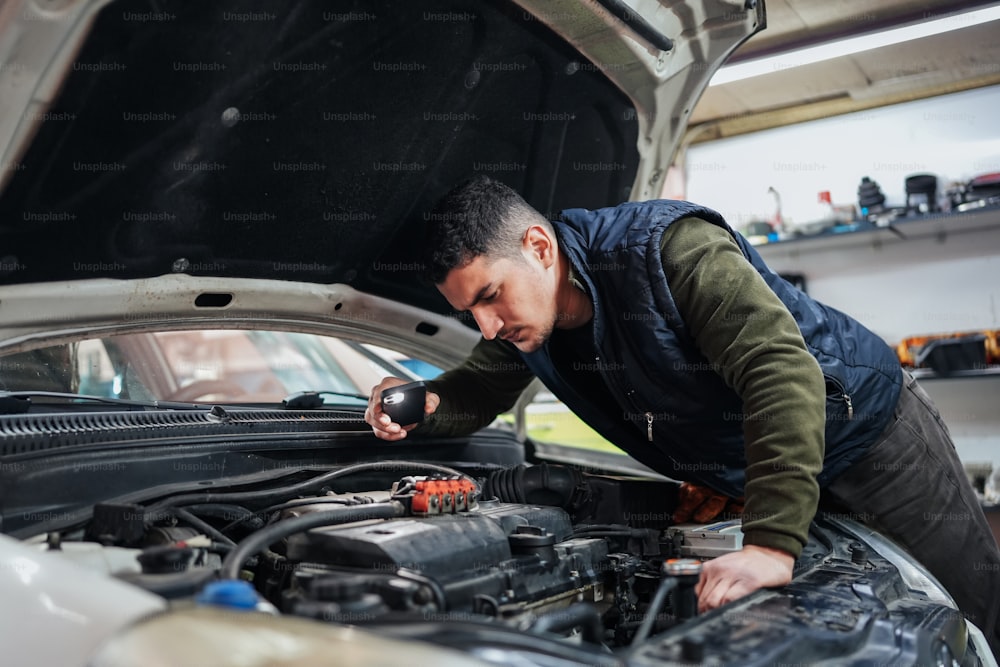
[{"x": 536, "y": 341}]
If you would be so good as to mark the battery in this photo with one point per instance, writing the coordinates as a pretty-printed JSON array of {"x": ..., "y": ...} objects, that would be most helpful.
[{"x": 708, "y": 540}]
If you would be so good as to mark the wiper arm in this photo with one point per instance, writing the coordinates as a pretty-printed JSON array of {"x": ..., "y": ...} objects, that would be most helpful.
[
  {"x": 17, "y": 402},
  {"x": 311, "y": 400}
]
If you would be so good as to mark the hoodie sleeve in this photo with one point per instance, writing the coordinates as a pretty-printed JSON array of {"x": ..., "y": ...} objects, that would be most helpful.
[
  {"x": 740, "y": 325},
  {"x": 486, "y": 384}
]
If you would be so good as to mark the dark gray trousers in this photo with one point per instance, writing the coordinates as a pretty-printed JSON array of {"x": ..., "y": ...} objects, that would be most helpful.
[{"x": 912, "y": 485}]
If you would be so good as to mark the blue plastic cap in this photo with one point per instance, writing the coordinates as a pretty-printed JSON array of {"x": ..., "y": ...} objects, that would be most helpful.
[{"x": 231, "y": 593}]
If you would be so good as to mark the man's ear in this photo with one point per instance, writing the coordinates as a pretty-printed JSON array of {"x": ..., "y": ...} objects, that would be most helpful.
[{"x": 540, "y": 243}]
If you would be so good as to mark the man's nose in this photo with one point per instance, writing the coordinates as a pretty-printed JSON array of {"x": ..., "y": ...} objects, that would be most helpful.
[{"x": 489, "y": 323}]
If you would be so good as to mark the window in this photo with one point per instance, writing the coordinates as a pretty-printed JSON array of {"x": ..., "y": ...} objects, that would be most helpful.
[{"x": 205, "y": 365}]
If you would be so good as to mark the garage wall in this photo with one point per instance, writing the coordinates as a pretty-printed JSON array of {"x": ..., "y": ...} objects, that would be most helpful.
[
  {"x": 953, "y": 136},
  {"x": 933, "y": 276}
]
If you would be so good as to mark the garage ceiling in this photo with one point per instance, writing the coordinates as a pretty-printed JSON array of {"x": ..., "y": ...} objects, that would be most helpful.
[{"x": 964, "y": 58}]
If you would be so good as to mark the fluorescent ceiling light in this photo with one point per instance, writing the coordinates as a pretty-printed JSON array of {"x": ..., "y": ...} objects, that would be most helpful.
[{"x": 851, "y": 45}]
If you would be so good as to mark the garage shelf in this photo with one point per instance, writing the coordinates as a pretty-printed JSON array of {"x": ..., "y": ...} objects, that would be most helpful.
[
  {"x": 928, "y": 374},
  {"x": 936, "y": 225}
]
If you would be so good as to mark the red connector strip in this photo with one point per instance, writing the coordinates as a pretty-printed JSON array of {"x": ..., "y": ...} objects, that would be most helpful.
[{"x": 441, "y": 496}]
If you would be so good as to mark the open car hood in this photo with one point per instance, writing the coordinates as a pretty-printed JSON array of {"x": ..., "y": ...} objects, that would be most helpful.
[
  {"x": 210, "y": 165},
  {"x": 305, "y": 143}
]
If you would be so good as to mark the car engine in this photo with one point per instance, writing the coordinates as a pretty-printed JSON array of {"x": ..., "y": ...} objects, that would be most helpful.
[
  {"x": 504, "y": 560},
  {"x": 528, "y": 564},
  {"x": 540, "y": 549}
]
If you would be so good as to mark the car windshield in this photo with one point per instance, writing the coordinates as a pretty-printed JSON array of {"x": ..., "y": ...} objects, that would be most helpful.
[
  {"x": 249, "y": 366},
  {"x": 240, "y": 366}
]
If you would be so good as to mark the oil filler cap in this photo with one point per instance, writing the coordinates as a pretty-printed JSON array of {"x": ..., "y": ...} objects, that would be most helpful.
[{"x": 533, "y": 540}]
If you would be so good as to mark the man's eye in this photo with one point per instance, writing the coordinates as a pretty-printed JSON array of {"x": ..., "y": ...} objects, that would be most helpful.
[{"x": 490, "y": 297}]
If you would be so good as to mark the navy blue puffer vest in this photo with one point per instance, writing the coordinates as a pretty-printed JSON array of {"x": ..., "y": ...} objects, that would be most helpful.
[{"x": 666, "y": 388}]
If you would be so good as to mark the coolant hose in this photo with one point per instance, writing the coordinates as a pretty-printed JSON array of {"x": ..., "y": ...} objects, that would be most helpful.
[
  {"x": 666, "y": 585},
  {"x": 266, "y": 536},
  {"x": 578, "y": 615}
]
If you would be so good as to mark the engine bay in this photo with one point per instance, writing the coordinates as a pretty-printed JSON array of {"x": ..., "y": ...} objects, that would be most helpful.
[
  {"x": 548, "y": 562},
  {"x": 544, "y": 549}
]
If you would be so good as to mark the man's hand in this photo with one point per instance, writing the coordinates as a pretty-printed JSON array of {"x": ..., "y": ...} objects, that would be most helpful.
[
  {"x": 735, "y": 575},
  {"x": 703, "y": 504},
  {"x": 381, "y": 424}
]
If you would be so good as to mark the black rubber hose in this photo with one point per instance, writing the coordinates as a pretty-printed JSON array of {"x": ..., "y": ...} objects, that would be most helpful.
[
  {"x": 301, "y": 487},
  {"x": 226, "y": 512},
  {"x": 204, "y": 527},
  {"x": 667, "y": 584},
  {"x": 440, "y": 599},
  {"x": 271, "y": 534},
  {"x": 541, "y": 484},
  {"x": 578, "y": 615},
  {"x": 298, "y": 502}
]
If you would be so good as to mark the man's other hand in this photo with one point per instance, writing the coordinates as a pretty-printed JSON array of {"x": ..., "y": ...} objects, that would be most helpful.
[
  {"x": 703, "y": 504},
  {"x": 381, "y": 424},
  {"x": 735, "y": 575}
]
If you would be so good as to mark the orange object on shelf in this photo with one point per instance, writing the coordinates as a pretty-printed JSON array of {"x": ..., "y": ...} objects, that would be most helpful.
[{"x": 909, "y": 348}]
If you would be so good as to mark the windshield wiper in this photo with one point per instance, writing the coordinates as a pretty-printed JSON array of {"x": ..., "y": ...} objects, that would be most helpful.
[
  {"x": 17, "y": 402},
  {"x": 311, "y": 400}
]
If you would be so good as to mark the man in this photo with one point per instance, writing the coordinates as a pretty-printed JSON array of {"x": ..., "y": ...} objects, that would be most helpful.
[{"x": 666, "y": 332}]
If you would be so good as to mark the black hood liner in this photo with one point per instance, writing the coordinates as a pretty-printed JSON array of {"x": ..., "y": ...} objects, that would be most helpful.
[{"x": 345, "y": 122}]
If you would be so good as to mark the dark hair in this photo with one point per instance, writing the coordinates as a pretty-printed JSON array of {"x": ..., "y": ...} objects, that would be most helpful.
[{"x": 479, "y": 217}]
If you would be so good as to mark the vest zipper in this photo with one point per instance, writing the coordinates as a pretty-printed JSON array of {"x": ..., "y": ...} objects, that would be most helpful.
[
  {"x": 843, "y": 394},
  {"x": 614, "y": 386}
]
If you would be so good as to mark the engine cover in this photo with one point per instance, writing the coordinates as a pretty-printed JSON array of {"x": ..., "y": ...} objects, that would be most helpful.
[
  {"x": 498, "y": 559},
  {"x": 434, "y": 546}
]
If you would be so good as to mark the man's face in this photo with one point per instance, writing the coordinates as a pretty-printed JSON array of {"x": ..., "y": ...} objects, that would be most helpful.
[{"x": 509, "y": 298}]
